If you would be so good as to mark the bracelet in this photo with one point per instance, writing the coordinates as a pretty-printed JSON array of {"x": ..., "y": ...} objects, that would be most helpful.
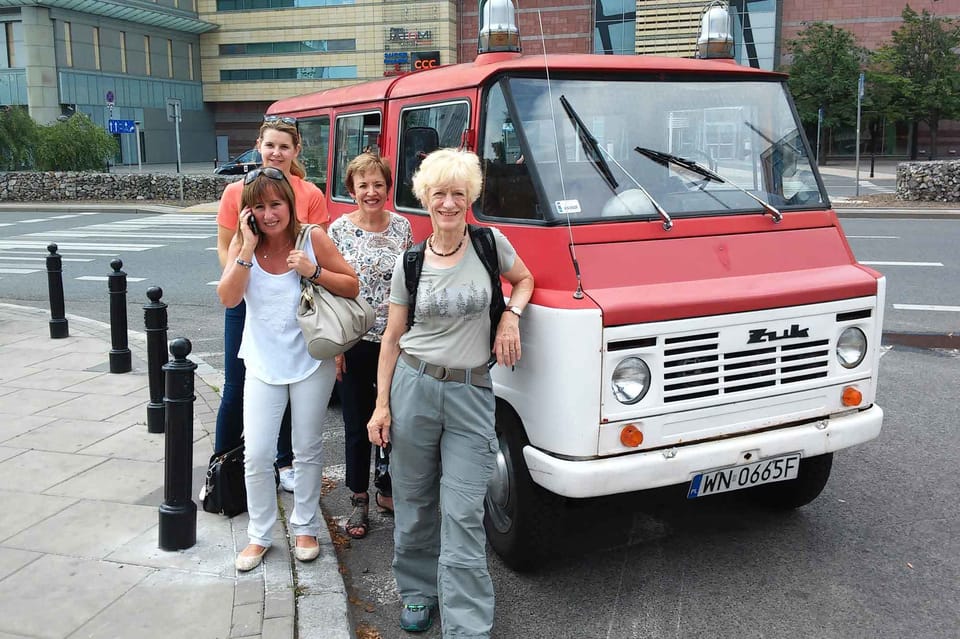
[
  {"x": 316, "y": 274},
  {"x": 244, "y": 264}
]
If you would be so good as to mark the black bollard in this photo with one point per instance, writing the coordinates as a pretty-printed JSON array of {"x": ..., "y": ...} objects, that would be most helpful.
[
  {"x": 155, "y": 320},
  {"x": 873, "y": 159},
  {"x": 58, "y": 320},
  {"x": 120, "y": 361},
  {"x": 178, "y": 513}
]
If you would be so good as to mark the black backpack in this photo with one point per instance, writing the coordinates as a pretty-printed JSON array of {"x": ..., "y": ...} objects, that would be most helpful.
[{"x": 486, "y": 247}]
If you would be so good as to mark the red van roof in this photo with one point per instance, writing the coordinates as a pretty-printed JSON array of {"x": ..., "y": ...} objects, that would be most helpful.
[{"x": 472, "y": 74}]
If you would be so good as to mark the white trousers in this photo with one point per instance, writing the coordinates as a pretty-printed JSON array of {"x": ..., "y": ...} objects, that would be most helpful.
[{"x": 263, "y": 407}]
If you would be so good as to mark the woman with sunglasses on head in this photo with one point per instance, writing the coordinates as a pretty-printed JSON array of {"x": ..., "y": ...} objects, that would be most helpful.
[
  {"x": 371, "y": 239},
  {"x": 263, "y": 268},
  {"x": 279, "y": 146}
]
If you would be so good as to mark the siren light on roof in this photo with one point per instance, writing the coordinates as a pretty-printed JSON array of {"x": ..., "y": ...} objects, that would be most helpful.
[{"x": 498, "y": 27}]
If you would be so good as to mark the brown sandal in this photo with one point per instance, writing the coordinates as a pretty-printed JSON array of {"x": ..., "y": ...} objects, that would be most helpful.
[{"x": 359, "y": 522}]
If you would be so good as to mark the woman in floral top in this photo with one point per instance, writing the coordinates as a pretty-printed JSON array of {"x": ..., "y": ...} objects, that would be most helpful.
[{"x": 371, "y": 239}]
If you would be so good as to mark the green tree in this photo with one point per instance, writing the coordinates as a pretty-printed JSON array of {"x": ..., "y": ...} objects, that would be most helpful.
[
  {"x": 18, "y": 139},
  {"x": 919, "y": 72},
  {"x": 74, "y": 144},
  {"x": 824, "y": 73}
]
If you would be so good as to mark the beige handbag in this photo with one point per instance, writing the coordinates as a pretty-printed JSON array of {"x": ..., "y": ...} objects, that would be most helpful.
[{"x": 330, "y": 324}]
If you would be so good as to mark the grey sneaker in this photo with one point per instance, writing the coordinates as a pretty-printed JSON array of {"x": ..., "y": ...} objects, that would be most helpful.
[
  {"x": 416, "y": 617},
  {"x": 286, "y": 479}
]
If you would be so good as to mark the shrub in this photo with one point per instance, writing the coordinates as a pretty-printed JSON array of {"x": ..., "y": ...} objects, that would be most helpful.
[
  {"x": 74, "y": 144},
  {"x": 18, "y": 139}
]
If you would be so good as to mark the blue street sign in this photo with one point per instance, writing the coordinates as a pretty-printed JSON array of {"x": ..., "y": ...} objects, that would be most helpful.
[{"x": 120, "y": 126}]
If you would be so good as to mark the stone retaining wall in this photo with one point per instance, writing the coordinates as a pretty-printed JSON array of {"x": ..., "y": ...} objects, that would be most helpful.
[
  {"x": 931, "y": 181},
  {"x": 54, "y": 186}
]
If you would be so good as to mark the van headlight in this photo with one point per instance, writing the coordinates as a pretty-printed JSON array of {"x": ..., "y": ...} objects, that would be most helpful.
[
  {"x": 630, "y": 380},
  {"x": 851, "y": 347}
]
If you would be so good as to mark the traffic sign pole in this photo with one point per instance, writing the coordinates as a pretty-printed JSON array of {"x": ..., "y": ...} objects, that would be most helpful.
[{"x": 136, "y": 131}]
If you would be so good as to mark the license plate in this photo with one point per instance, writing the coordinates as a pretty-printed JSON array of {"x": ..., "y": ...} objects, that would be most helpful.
[{"x": 724, "y": 480}]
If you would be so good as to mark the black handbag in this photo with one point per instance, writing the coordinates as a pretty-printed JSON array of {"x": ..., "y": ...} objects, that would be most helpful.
[{"x": 225, "y": 492}]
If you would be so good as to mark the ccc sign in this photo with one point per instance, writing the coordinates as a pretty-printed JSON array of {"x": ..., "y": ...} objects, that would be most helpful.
[
  {"x": 425, "y": 64},
  {"x": 423, "y": 60}
]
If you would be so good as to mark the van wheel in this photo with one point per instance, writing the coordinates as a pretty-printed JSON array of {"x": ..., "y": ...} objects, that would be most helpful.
[
  {"x": 810, "y": 482},
  {"x": 519, "y": 515}
]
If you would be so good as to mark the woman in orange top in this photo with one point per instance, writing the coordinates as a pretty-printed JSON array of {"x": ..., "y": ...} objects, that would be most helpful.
[{"x": 279, "y": 146}]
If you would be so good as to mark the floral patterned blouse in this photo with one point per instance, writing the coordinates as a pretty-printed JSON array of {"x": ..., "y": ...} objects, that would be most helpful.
[{"x": 372, "y": 255}]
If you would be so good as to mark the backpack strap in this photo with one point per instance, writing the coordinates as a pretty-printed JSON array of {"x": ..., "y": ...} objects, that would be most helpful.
[
  {"x": 412, "y": 267},
  {"x": 485, "y": 245}
]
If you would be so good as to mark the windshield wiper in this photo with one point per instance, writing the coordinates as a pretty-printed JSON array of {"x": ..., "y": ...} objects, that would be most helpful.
[
  {"x": 664, "y": 158},
  {"x": 589, "y": 143},
  {"x": 595, "y": 153}
]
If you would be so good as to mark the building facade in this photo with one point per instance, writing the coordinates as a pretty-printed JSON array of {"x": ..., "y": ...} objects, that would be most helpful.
[{"x": 112, "y": 60}]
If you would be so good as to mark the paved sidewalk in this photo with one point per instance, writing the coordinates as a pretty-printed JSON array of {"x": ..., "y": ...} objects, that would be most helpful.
[{"x": 81, "y": 481}]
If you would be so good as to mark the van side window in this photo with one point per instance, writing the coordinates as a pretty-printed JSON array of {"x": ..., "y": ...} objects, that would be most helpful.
[
  {"x": 422, "y": 130},
  {"x": 315, "y": 139},
  {"x": 508, "y": 190},
  {"x": 356, "y": 133}
]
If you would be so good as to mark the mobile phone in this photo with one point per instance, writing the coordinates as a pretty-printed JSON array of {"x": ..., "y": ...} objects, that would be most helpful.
[{"x": 253, "y": 224}]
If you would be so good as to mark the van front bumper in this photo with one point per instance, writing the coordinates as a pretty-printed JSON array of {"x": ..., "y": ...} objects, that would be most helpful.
[{"x": 678, "y": 464}]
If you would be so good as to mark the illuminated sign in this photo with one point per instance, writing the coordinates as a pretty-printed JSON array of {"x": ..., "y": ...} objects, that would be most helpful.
[{"x": 425, "y": 60}]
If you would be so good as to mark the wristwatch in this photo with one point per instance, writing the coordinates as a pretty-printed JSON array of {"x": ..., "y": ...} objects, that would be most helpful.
[{"x": 516, "y": 310}]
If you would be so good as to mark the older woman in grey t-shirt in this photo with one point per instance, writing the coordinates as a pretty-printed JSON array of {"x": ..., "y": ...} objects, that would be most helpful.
[{"x": 435, "y": 404}]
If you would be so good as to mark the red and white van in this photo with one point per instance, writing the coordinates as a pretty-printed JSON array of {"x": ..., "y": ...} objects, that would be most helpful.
[{"x": 699, "y": 317}]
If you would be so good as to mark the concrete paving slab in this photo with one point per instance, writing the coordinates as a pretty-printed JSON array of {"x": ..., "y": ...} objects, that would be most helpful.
[
  {"x": 112, "y": 384},
  {"x": 130, "y": 442},
  {"x": 6, "y": 452},
  {"x": 12, "y": 371},
  {"x": 120, "y": 480},
  {"x": 96, "y": 528},
  {"x": 18, "y": 357},
  {"x": 24, "y": 510},
  {"x": 325, "y": 612},
  {"x": 90, "y": 406},
  {"x": 168, "y": 604},
  {"x": 13, "y": 425},
  {"x": 35, "y": 471},
  {"x": 42, "y": 380},
  {"x": 63, "y": 360},
  {"x": 12, "y": 560},
  {"x": 79, "y": 589},
  {"x": 29, "y": 401},
  {"x": 65, "y": 435},
  {"x": 213, "y": 553}
]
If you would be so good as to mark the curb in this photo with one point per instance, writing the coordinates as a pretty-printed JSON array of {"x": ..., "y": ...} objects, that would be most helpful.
[
  {"x": 947, "y": 341},
  {"x": 899, "y": 213}
]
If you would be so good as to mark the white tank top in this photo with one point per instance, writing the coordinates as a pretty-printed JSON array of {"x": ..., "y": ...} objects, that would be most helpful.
[{"x": 272, "y": 347}]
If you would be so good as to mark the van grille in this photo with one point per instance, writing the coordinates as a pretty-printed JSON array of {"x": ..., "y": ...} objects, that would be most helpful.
[{"x": 695, "y": 367}]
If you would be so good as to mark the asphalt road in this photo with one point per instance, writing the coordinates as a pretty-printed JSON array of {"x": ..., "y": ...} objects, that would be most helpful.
[{"x": 875, "y": 556}]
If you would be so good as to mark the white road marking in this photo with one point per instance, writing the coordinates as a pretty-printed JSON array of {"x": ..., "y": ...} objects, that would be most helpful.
[
  {"x": 17, "y": 258},
  {"x": 19, "y": 271},
  {"x": 104, "y": 278},
  {"x": 75, "y": 233},
  {"x": 78, "y": 246},
  {"x": 873, "y": 237},
  {"x": 35, "y": 220},
  {"x": 63, "y": 217},
  {"x": 213, "y": 283},
  {"x": 902, "y": 263},
  {"x": 927, "y": 307}
]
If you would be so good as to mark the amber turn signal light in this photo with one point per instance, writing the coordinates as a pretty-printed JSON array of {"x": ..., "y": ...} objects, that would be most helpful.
[
  {"x": 851, "y": 397},
  {"x": 631, "y": 436}
]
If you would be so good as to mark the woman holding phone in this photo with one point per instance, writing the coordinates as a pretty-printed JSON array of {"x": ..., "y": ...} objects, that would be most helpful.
[
  {"x": 279, "y": 146},
  {"x": 264, "y": 268}
]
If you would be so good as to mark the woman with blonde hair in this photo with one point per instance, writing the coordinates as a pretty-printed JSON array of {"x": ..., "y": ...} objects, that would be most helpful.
[
  {"x": 435, "y": 402},
  {"x": 279, "y": 146},
  {"x": 263, "y": 268}
]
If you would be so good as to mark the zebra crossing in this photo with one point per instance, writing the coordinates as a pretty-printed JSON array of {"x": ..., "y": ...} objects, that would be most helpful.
[{"x": 86, "y": 241}]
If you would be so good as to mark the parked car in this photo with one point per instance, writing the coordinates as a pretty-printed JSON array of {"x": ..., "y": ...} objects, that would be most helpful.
[{"x": 246, "y": 161}]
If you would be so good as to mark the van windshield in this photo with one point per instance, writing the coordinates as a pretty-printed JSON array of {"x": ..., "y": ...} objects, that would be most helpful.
[{"x": 600, "y": 149}]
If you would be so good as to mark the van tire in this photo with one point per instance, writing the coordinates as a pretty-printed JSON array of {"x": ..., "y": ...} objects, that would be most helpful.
[
  {"x": 520, "y": 517},
  {"x": 787, "y": 495}
]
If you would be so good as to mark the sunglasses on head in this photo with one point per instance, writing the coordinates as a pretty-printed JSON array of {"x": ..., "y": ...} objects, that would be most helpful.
[
  {"x": 269, "y": 171},
  {"x": 286, "y": 119}
]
